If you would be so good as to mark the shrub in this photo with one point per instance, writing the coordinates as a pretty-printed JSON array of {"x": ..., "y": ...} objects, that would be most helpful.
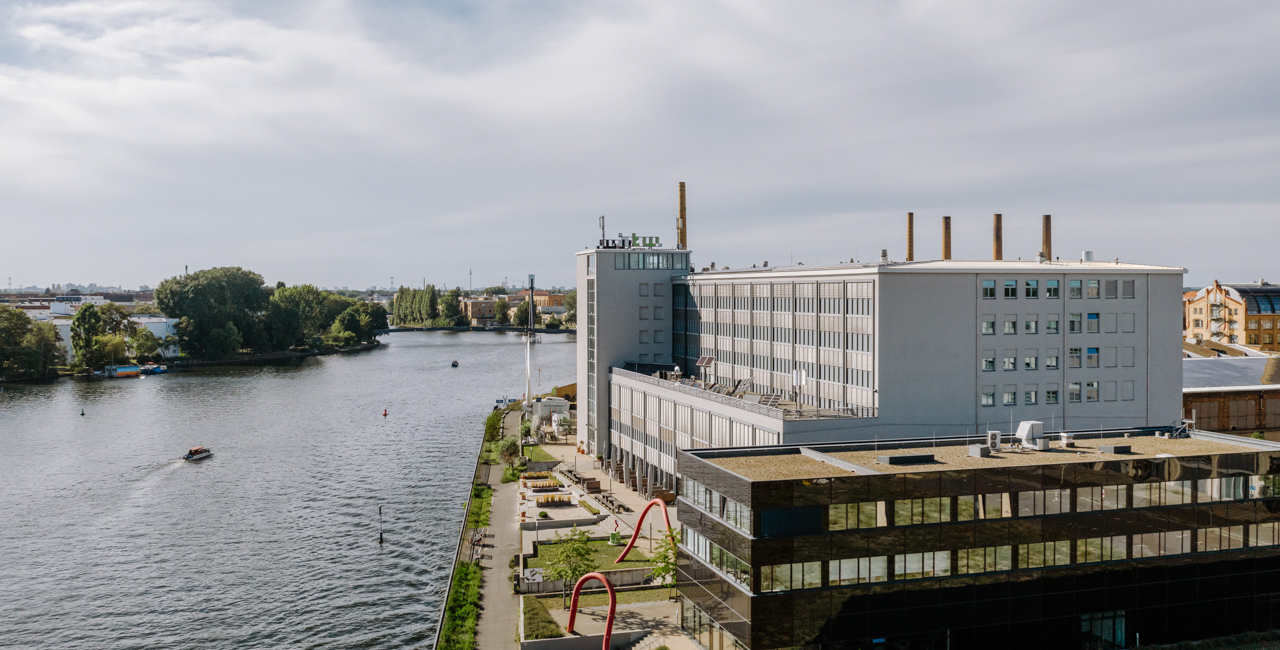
[
  {"x": 461, "y": 609},
  {"x": 493, "y": 426},
  {"x": 538, "y": 623},
  {"x": 481, "y": 502},
  {"x": 586, "y": 505},
  {"x": 542, "y": 514}
]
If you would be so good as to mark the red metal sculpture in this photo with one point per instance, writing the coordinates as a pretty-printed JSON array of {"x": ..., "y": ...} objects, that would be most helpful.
[
  {"x": 640, "y": 522},
  {"x": 613, "y": 604}
]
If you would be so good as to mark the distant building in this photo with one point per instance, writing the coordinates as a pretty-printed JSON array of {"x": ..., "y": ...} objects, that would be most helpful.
[
  {"x": 479, "y": 311},
  {"x": 540, "y": 298},
  {"x": 1245, "y": 314},
  {"x": 1232, "y": 394},
  {"x": 158, "y": 325}
]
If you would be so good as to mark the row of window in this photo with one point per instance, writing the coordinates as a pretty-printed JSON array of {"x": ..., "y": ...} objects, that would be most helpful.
[
  {"x": 1000, "y": 505},
  {"x": 650, "y": 261},
  {"x": 711, "y": 553},
  {"x": 1077, "y": 323},
  {"x": 990, "y": 559},
  {"x": 657, "y": 289},
  {"x": 731, "y": 512},
  {"x": 1109, "y": 357},
  {"x": 1075, "y": 289},
  {"x": 1077, "y": 392},
  {"x": 1266, "y": 339}
]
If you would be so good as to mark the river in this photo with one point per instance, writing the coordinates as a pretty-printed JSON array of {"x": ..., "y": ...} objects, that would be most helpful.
[{"x": 109, "y": 540}]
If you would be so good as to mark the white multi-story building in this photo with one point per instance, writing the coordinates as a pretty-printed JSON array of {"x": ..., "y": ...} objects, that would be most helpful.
[{"x": 865, "y": 351}]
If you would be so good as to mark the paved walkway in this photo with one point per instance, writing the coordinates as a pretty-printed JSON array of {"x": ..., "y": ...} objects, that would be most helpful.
[
  {"x": 663, "y": 617},
  {"x": 498, "y": 626}
]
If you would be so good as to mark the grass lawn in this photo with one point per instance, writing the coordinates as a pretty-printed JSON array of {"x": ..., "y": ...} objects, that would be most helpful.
[
  {"x": 655, "y": 595},
  {"x": 604, "y": 554},
  {"x": 537, "y": 454},
  {"x": 481, "y": 501}
]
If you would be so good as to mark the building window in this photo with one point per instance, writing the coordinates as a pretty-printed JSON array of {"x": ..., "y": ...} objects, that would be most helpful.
[
  {"x": 1197, "y": 323},
  {"x": 988, "y": 363},
  {"x": 1231, "y": 488},
  {"x": 644, "y": 358},
  {"x": 644, "y": 336},
  {"x": 1174, "y": 542},
  {"x": 1253, "y": 324},
  {"x": 644, "y": 313},
  {"x": 1051, "y": 362},
  {"x": 1102, "y": 497},
  {"x": 1011, "y": 327},
  {"x": 644, "y": 289},
  {"x": 848, "y": 516},
  {"x": 1032, "y": 288},
  {"x": 1073, "y": 323},
  {"x": 1074, "y": 357},
  {"x": 1102, "y": 549},
  {"x": 859, "y": 570},
  {"x": 1224, "y": 538},
  {"x": 1029, "y": 397},
  {"x": 1051, "y": 397},
  {"x": 988, "y": 289},
  {"x": 707, "y": 551},
  {"x": 1010, "y": 288},
  {"x": 1029, "y": 363},
  {"x": 785, "y": 577},
  {"x": 1126, "y": 288},
  {"x": 1011, "y": 398},
  {"x": 657, "y": 338},
  {"x": 1051, "y": 289},
  {"x": 1011, "y": 363},
  {"x": 1043, "y": 554},
  {"x": 657, "y": 289},
  {"x": 1091, "y": 289},
  {"x": 996, "y": 505},
  {"x": 933, "y": 510},
  {"x": 1166, "y": 493},
  {"x": 1252, "y": 339},
  {"x": 1091, "y": 358},
  {"x": 1043, "y": 502},
  {"x": 1051, "y": 326},
  {"x": 1031, "y": 327},
  {"x": 988, "y": 327},
  {"x": 1073, "y": 391},
  {"x": 1091, "y": 391},
  {"x": 1264, "y": 534},
  {"x": 989, "y": 398},
  {"x": 1093, "y": 322},
  {"x": 1073, "y": 289},
  {"x": 1266, "y": 339},
  {"x": 984, "y": 560},
  {"x": 1266, "y": 324},
  {"x": 1110, "y": 289},
  {"x": 657, "y": 313},
  {"x": 916, "y": 566}
]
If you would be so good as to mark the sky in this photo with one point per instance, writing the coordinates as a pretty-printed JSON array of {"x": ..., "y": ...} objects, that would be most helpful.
[{"x": 346, "y": 143}]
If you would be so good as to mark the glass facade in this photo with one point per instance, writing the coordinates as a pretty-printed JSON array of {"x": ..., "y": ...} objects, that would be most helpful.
[{"x": 1049, "y": 556}]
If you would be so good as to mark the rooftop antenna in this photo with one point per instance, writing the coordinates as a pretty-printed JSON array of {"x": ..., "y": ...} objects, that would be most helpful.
[
  {"x": 681, "y": 224},
  {"x": 602, "y": 227}
]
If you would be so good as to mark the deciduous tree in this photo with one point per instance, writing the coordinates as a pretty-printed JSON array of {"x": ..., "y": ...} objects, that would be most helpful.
[
  {"x": 86, "y": 327},
  {"x": 570, "y": 557}
]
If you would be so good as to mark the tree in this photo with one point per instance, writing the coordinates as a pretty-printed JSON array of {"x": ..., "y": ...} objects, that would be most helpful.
[
  {"x": 144, "y": 343},
  {"x": 433, "y": 302},
  {"x": 664, "y": 559},
  {"x": 571, "y": 307},
  {"x": 521, "y": 317},
  {"x": 86, "y": 327},
  {"x": 502, "y": 312},
  {"x": 110, "y": 348},
  {"x": 494, "y": 291},
  {"x": 208, "y": 301},
  {"x": 361, "y": 320},
  {"x": 451, "y": 308},
  {"x": 509, "y": 450},
  {"x": 570, "y": 557},
  {"x": 116, "y": 320},
  {"x": 28, "y": 347},
  {"x": 223, "y": 342},
  {"x": 553, "y": 323}
]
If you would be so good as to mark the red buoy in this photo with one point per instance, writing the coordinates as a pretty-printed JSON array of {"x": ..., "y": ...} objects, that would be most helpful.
[{"x": 384, "y": 413}]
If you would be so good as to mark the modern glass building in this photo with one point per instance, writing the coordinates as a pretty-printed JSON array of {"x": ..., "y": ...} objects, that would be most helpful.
[{"x": 1080, "y": 540}]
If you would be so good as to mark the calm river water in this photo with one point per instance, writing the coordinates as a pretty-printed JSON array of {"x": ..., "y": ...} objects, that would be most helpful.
[{"x": 108, "y": 540}]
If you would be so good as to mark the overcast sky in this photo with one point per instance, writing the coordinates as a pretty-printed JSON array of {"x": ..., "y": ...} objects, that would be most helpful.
[{"x": 343, "y": 143}]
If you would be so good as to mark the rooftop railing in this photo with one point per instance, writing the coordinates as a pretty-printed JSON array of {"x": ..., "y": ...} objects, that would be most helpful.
[{"x": 778, "y": 413}]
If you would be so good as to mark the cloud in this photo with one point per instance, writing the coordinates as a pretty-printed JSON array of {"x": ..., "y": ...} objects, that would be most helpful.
[{"x": 343, "y": 143}]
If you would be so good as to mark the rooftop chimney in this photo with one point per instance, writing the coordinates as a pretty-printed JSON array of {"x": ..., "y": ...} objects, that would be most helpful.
[
  {"x": 1046, "y": 236},
  {"x": 681, "y": 226},
  {"x": 946, "y": 238},
  {"x": 997, "y": 239},
  {"x": 911, "y": 236},
  {"x": 884, "y": 256}
]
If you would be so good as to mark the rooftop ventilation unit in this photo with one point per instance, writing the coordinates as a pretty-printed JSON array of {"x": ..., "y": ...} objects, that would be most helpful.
[
  {"x": 1031, "y": 435},
  {"x": 1114, "y": 449}
]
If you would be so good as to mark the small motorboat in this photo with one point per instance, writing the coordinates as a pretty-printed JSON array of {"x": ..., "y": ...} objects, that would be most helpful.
[
  {"x": 455, "y": 364},
  {"x": 198, "y": 453}
]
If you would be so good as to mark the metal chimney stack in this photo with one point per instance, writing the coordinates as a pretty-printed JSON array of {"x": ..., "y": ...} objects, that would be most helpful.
[
  {"x": 997, "y": 238},
  {"x": 1046, "y": 236},
  {"x": 681, "y": 226},
  {"x": 911, "y": 236},
  {"x": 946, "y": 238}
]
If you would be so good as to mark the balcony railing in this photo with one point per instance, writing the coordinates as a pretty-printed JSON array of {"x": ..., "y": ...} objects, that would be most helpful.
[{"x": 813, "y": 413}]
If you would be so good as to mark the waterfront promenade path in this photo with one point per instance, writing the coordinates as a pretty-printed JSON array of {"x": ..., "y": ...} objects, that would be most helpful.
[{"x": 498, "y": 625}]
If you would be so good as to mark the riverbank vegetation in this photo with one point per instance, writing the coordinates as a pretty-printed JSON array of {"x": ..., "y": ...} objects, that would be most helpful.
[
  {"x": 481, "y": 503},
  {"x": 428, "y": 307},
  {"x": 28, "y": 349},
  {"x": 462, "y": 609},
  {"x": 227, "y": 310}
]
